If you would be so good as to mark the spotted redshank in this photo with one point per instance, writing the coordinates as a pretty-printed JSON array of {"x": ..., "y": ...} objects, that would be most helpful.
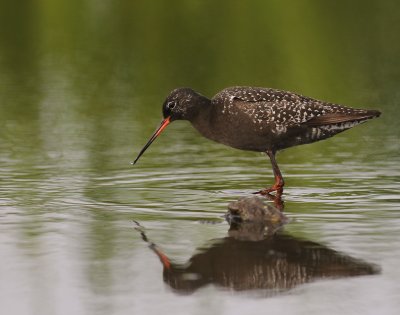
[{"x": 259, "y": 119}]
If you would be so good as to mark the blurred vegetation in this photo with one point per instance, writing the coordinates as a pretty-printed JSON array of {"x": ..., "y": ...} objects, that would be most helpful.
[
  {"x": 79, "y": 76},
  {"x": 77, "y": 68},
  {"x": 80, "y": 68},
  {"x": 326, "y": 49}
]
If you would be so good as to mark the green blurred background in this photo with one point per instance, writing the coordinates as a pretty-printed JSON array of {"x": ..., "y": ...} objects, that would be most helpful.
[
  {"x": 111, "y": 52},
  {"x": 98, "y": 63}
]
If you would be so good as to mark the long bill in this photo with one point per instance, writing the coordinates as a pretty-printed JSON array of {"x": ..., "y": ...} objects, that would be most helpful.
[{"x": 162, "y": 126}]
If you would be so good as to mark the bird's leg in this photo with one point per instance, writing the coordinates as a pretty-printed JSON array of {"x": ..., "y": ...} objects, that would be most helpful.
[
  {"x": 278, "y": 185},
  {"x": 276, "y": 199}
]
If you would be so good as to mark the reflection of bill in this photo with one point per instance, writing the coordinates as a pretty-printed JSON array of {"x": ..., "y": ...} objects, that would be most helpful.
[{"x": 251, "y": 258}]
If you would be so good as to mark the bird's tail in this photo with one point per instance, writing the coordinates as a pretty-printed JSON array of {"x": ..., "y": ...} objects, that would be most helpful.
[{"x": 355, "y": 116}]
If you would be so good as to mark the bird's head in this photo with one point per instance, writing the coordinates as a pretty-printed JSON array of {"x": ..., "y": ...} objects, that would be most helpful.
[{"x": 180, "y": 104}]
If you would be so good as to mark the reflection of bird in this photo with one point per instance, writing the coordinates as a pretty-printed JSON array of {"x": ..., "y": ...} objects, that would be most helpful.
[
  {"x": 275, "y": 263},
  {"x": 259, "y": 119}
]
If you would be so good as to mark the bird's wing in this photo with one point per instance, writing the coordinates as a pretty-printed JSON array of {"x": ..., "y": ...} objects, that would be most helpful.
[
  {"x": 289, "y": 109},
  {"x": 257, "y": 94},
  {"x": 266, "y": 105}
]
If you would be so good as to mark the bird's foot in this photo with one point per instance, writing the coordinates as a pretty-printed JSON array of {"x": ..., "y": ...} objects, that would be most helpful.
[
  {"x": 277, "y": 198},
  {"x": 267, "y": 191}
]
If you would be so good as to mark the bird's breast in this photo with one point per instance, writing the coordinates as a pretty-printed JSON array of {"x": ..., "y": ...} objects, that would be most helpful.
[{"x": 238, "y": 130}]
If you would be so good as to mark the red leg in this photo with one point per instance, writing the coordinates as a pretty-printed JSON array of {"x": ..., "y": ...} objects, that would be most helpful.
[
  {"x": 279, "y": 183},
  {"x": 276, "y": 199}
]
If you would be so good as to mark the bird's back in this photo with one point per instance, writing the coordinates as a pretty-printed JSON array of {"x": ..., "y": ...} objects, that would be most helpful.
[{"x": 258, "y": 119}]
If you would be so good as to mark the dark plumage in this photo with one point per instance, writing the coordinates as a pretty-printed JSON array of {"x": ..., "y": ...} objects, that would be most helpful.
[{"x": 260, "y": 119}]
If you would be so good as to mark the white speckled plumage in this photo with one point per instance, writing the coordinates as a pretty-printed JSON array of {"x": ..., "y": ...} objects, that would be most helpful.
[{"x": 272, "y": 113}]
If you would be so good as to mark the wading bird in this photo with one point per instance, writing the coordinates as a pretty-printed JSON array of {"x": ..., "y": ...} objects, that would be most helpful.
[{"x": 259, "y": 119}]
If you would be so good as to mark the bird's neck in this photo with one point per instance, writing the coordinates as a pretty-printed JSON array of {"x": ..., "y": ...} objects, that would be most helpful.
[{"x": 200, "y": 118}]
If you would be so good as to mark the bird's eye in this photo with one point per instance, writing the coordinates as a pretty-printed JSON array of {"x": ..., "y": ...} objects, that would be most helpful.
[{"x": 171, "y": 105}]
